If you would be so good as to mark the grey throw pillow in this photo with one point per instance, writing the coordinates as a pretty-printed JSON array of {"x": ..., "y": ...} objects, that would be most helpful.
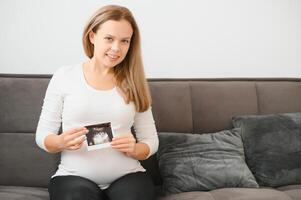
[
  {"x": 273, "y": 147},
  {"x": 193, "y": 162}
]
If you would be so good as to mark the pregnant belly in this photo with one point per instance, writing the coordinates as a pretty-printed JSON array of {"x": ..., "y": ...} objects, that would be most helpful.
[{"x": 101, "y": 166}]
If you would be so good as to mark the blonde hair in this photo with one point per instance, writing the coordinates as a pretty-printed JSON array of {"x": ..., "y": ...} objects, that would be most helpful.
[{"x": 129, "y": 73}]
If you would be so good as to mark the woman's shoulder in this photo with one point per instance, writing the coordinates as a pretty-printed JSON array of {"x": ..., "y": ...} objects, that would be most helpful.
[
  {"x": 66, "y": 70},
  {"x": 65, "y": 74},
  {"x": 64, "y": 77}
]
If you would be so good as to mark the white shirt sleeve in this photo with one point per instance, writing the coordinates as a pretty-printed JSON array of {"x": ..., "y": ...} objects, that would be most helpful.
[
  {"x": 145, "y": 129},
  {"x": 51, "y": 114}
]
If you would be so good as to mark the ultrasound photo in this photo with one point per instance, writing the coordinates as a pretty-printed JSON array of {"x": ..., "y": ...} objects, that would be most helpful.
[{"x": 99, "y": 136}]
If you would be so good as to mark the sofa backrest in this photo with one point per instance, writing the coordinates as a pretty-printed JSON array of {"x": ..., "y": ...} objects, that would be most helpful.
[
  {"x": 179, "y": 105},
  {"x": 22, "y": 162},
  {"x": 207, "y": 105}
]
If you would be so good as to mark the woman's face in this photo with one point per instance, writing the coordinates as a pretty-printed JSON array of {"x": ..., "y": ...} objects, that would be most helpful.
[{"x": 111, "y": 42}]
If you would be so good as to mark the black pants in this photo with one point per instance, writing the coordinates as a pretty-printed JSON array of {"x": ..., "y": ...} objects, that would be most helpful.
[{"x": 134, "y": 186}]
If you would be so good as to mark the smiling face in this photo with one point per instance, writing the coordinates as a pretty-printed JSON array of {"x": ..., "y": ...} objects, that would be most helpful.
[{"x": 111, "y": 42}]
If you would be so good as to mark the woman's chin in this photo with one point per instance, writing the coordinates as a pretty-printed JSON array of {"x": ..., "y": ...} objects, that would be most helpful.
[{"x": 111, "y": 64}]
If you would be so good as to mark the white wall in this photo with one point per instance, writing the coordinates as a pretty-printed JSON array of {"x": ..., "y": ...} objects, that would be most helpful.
[{"x": 180, "y": 38}]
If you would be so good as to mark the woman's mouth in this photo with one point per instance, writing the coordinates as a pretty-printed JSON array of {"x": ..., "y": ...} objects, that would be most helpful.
[{"x": 112, "y": 56}]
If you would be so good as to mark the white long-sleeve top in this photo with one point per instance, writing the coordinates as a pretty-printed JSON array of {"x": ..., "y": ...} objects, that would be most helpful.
[{"x": 71, "y": 101}]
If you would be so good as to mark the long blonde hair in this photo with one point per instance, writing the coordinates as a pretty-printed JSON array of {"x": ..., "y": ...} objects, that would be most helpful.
[{"x": 129, "y": 73}]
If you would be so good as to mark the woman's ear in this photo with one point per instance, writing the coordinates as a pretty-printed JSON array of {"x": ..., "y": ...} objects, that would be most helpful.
[{"x": 92, "y": 37}]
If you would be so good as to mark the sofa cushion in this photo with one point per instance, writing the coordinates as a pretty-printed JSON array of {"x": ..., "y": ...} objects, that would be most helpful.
[
  {"x": 215, "y": 102},
  {"x": 193, "y": 162},
  {"x": 24, "y": 193},
  {"x": 175, "y": 115},
  {"x": 273, "y": 147},
  {"x": 188, "y": 196},
  {"x": 231, "y": 194},
  {"x": 21, "y": 102},
  {"x": 278, "y": 97},
  {"x": 294, "y": 194},
  {"x": 23, "y": 163},
  {"x": 294, "y": 191},
  {"x": 249, "y": 194}
]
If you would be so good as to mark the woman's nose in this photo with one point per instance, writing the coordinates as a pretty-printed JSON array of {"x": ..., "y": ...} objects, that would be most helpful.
[{"x": 115, "y": 46}]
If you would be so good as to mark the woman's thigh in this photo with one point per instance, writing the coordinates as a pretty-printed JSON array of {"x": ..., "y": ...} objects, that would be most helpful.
[
  {"x": 74, "y": 188},
  {"x": 134, "y": 186}
]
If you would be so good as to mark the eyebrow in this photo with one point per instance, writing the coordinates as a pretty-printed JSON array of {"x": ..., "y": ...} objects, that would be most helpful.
[{"x": 126, "y": 38}]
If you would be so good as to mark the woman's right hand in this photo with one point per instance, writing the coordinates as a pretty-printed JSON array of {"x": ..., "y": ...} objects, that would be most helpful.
[{"x": 72, "y": 139}]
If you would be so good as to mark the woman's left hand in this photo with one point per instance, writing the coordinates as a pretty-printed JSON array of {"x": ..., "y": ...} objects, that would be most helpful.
[{"x": 124, "y": 143}]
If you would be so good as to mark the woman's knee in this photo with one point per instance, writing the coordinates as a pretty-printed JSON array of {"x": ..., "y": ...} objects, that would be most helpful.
[
  {"x": 73, "y": 188},
  {"x": 135, "y": 186}
]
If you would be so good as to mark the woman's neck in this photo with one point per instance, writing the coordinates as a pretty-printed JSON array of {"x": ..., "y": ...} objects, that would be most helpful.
[
  {"x": 96, "y": 68},
  {"x": 98, "y": 77}
]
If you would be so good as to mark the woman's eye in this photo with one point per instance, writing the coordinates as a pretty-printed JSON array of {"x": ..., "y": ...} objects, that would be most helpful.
[
  {"x": 126, "y": 41},
  {"x": 108, "y": 39}
]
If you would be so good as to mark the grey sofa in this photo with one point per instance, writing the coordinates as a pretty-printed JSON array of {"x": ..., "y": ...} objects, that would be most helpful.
[{"x": 179, "y": 105}]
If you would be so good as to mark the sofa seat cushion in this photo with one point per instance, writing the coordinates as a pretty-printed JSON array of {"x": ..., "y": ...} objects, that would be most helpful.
[
  {"x": 249, "y": 194},
  {"x": 294, "y": 191},
  {"x": 232, "y": 194},
  {"x": 189, "y": 196},
  {"x": 23, "y": 193}
]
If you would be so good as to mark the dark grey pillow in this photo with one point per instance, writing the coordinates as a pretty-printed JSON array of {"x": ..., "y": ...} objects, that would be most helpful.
[
  {"x": 273, "y": 147},
  {"x": 193, "y": 162}
]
